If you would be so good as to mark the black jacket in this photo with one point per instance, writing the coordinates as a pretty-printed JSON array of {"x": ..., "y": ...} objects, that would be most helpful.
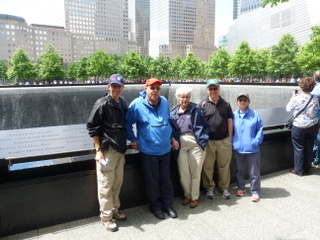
[{"x": 106, "y": 120}]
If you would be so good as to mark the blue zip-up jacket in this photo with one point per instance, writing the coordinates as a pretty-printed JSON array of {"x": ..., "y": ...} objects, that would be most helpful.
[
  {"x": 153, "y": 125},
  {"x": 248, "y": 132},
  {"x": 200, "y": 126}
]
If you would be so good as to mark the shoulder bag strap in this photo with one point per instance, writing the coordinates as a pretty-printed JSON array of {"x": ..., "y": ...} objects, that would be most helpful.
[{"x": 303, "y": 108}]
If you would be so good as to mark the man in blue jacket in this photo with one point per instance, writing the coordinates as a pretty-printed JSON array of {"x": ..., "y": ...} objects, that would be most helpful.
[{"x": 150, "y": 112}]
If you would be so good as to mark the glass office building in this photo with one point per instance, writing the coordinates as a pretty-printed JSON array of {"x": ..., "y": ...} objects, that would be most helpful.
[
  {"x": 179, "y": 27},
  {"x": 98, "y": 24},
  {"x": 263, "y": 27},
  {"x": 139, "y": 27}
]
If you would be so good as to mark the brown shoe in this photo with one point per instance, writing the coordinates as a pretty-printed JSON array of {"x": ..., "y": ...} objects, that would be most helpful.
[
  {"x": 193, "y": 203},
  {"x": 110, "y": 225},
  {"x": 186, "y": 201},
  {"x": 119, "y": 216}
]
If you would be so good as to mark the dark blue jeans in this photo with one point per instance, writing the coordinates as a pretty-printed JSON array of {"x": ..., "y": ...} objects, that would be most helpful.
[
  {"x": 156, "y": 169},
  {"x": 316, "y": 149},
  {"x": 302, "y": 141}
]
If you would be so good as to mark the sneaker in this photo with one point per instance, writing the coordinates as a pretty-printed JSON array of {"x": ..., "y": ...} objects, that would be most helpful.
[
  {"x": 119, "y": 216},
  {"x": 186, "y": 201},
  {"x": 255, "y": 198},
  {"x": 110, "y": 225},
  {"x": 210, "y": 194},
  {"x": 240, "y": 192},
  {"x": 226, "y": 195}
]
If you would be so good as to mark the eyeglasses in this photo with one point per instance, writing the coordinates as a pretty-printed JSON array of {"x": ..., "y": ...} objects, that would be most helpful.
[
  {"x": 155, "y": 88},
  {"x": 243, "y": 100},
  {"x": 213, "y": 89}
]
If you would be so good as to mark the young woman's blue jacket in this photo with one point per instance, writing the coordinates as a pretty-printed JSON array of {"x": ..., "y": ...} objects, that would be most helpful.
[
  {"x": 248, "y": 132},
  {"x": 153, "y": 125},
  {"x": 200, "y": 126}
]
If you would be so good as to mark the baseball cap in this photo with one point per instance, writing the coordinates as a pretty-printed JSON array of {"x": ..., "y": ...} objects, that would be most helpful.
[
  {"x": 153, "y": 81},
  {"x": 116, "y": 78},
  {"x": 212, "y": 81},
  {"x": 243, "y": 95}
]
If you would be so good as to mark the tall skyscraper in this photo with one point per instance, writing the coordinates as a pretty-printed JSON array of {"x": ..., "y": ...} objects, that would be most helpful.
[
  {"x": 263, "y": 27},
  {"x": 98, "y": 24},
  {"x": 139, "y": 27},
  {"x": 236, "y": 10},
  {"x": 180, "y": 26}
]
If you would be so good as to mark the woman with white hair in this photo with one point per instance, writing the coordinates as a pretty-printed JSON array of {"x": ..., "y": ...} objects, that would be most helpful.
[{"x": 190, "y": 129}]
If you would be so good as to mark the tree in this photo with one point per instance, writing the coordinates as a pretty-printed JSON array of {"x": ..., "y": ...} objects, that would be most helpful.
[
  {"x": 50, "y": 65},
  {"x": 160, "y": 67},
  {"x": 147, "y": 62},
  {"x": 309, "y": 57},
  {"x": 191, "y": 67},
  {"x": 242, "y": 63},
  {"x": 273, "y": 3},
  {"x": 20, "y": 67},
  {"x": 175, "y": 67},
  {"x": 3, "y": 71},
  {"x": 132, "y": 65},
  {"x": 72, "y": 70},
  {"x": 283, "y": 59},
  {"x": 261, "y": 59},
  {"x": 82, "y": 70},
  {"x": 217, "y": 66},
  {"x": 100, "y": 64}
]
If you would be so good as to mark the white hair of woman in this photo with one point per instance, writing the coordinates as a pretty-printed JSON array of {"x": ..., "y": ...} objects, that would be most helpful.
[{"x": 183, "y": 90}]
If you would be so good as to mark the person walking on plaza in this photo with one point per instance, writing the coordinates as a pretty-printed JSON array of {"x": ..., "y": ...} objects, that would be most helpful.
[
  {"x": 316, "y": 146},
  {"x": 191, "y": 129},
  {"x": 150, "y": 112},
  {"x": 247, "y": 136},
  {"x": 219, "y": 115},
  {"x": 106, "y": 125},
  {"x": 305, "y": 126}
]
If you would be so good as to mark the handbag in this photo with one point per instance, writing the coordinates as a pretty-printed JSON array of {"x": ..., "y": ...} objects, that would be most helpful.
[{"x": 290, "y": 121}]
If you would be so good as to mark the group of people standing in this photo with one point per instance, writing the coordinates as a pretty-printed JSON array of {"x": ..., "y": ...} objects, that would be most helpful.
[{"x": 199, "y": 136}]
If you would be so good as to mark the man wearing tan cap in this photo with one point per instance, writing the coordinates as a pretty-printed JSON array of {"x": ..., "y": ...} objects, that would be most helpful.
[{"x": 150, "y": 112}]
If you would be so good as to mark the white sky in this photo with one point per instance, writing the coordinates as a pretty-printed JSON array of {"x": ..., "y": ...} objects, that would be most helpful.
[{"x": 51, "y": 12}]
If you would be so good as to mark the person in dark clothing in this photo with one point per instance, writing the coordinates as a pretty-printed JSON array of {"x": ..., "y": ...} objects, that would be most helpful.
[{"x": 106, "y": 125}]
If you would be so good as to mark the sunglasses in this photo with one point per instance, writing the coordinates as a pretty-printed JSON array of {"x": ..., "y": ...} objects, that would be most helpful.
[
  {"x": 155, "y": 88},
  {"x": 243, "y": 100},
  {"x": 213, "y": 89}
]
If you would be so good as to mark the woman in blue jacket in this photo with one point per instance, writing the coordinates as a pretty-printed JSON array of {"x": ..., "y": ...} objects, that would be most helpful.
[
  {"x": 248, "y": 135},
  {"x": 190, "y": 129}
]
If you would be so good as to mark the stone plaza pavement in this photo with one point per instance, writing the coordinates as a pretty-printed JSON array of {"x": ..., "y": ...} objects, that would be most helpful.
[{"x": 289, "y": 209}]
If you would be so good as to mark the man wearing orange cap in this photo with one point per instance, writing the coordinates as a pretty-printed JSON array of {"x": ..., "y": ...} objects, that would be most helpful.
[{"x": 150, "y": 112}]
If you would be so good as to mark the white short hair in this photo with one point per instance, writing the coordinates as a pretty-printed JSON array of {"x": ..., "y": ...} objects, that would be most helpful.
[{"x": 183, "y": 91}]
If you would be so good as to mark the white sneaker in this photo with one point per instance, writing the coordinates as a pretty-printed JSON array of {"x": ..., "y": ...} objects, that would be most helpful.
[
  {"x": 255, "y": 198},
  {"x": 315, "y": 165},
  {"x": 226, "y": 195},
  {"x": 210, "y": 194},
  {"x": 110, "y": 225}
]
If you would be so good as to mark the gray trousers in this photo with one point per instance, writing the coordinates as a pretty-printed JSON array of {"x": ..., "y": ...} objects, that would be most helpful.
[{"x": 253, "y": 163}]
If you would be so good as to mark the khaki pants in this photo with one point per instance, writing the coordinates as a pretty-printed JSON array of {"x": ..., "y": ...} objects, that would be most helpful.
[
  {"x": 190, "y": 163},
  {"x": 220, "y": 151},
  {"x": 110, "y": 180}
]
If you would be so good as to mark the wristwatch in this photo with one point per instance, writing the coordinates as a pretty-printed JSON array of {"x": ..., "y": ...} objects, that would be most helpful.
[{"x": 98, "y": 149}]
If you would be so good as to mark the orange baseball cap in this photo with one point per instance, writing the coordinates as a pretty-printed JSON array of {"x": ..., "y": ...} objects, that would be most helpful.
[{"x": 153, "y": 81}]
